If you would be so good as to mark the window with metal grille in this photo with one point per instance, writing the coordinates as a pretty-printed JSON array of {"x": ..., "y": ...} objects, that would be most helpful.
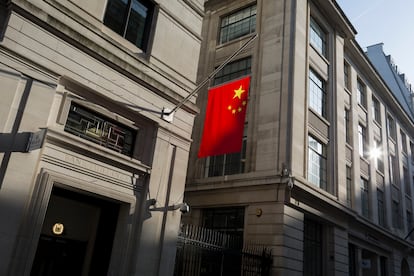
[
  {"x": 131, "y": 19},
  {"x": 98, "y": 129},
  {"x": 238, "y": 24}
]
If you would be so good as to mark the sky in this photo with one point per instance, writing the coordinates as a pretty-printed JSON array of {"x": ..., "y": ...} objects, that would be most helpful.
[{"x": 385, "y": 21}]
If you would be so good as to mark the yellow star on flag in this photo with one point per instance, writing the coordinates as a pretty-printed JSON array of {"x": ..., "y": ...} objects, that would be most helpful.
[{"x": 238, "y": 92}]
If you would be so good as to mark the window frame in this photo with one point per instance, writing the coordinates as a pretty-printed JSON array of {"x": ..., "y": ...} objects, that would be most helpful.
[
  {"x": 99, "y": 128},
  {"x": 364, "y": 197},
  {"x": 317, "y": 37},
  {"x": 317, "y": 161},
  {"x": 362, "y": 141},
  {"x": 347, "y": 80},
  {"x": 122, "y": 28},
  {"x": 376, "y": 110},
  {"x": 381, "y": 207},
  {"x": 317, "y": 93},
  {"x": 226, "y": 24},
  {"x": 361, "y": 93},
  {"x": 230, "y": 72}
]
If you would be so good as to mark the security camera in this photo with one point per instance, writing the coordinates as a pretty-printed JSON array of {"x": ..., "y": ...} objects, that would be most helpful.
[{"x": 184, "y": 208}]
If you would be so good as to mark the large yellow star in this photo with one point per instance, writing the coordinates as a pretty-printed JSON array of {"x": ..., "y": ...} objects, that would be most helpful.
[{"x": 238, "y": 92}]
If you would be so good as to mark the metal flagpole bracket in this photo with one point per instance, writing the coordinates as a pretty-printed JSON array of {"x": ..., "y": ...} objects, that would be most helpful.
[{"x": 167, "y": 115}]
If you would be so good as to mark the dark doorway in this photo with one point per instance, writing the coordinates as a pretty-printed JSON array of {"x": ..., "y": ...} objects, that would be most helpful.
[{"x": 83, "y": 245}]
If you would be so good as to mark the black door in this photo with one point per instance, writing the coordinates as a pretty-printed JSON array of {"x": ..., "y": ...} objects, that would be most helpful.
[
  {"x": 84, "y": 246},
  {"x": 57, "y": 256}
]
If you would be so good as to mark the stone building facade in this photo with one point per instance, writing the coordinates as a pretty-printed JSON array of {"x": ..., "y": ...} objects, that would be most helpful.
[
  {"x": 325, "y": 176},
  {"x": 84, "y": 152}
]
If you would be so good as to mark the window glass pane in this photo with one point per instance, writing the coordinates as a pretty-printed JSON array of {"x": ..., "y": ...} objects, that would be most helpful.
[
  {"x": 364, "y": 197},
  {"x": 238, "y": 24},
  {"x": 116, "y": 11},
  {"x": 130, "y": 19},
  {"x": 136, "y": 23},
  {"x": 316, "y": 93},
  {"x": 312, "y": 251},
  {"x": 316, "y": 163},
  {"x": 317, "y": 37}
]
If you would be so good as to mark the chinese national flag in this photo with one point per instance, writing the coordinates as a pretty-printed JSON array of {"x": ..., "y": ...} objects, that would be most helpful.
[{"x": 224, "y": 122}]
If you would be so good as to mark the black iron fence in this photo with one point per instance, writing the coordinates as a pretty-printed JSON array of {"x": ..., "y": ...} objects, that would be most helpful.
[{"x": 204, "y": 252}]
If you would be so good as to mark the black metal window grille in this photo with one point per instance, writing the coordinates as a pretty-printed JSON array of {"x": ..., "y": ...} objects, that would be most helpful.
[
  {"x": 238, "y": 24},
  {"x": 93, "y": 127},
  {"x": 131, "y": 19}
]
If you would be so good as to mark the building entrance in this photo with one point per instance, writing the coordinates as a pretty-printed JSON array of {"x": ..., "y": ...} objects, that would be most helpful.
[{"x": 77, "y": 235}]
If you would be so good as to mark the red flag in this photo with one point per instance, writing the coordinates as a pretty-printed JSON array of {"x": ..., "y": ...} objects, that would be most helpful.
[{"x": 224, "y": 122}]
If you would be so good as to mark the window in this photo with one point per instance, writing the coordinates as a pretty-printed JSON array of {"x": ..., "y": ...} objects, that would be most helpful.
[
  {"x": 376, "y": 110},
  {"x": 364, "y": 197},
  {"x": 362, "y": 140},
  {"x": 227, "y": 164},
  {"x": 225, "y": 220},
  {"x": 317, "y": 93},
  {"x": 317, "y": 163},
  {"x": 93, "y": 127},
  {"x": 234, "y": 70},
  {"x": 396, "y": 207},
  {"x": 361, "y": 93},
  {"x": 396, "y": 214},
  {"x": 381, "y": 207},
  {"x": 348, "y": 185},
  {"x": 407, "y": 184},
  {"x": 352, "y": 259},
  {"x": 391, "y": 128},
  {"x": 131, "y": 19},
  {"x": 347, "y": 126},
  {"x": 377, "y": 154},
  {"x": 238, "y": 24},
  {"x": 393, "y": 171},
  {"x": 403, "y": 142},
  {"x": 317, "y": 37},
  {"x": 412, "y": 151},
  {"x": 234, "y": 163},
  {"x": 409, "y": 221},
  {"x": 347, "y": 80},
  {"x": 312, "y": 247}
]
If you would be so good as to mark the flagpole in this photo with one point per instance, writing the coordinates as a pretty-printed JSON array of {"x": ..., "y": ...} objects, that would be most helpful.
[{"x": 167, "y": 114}]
